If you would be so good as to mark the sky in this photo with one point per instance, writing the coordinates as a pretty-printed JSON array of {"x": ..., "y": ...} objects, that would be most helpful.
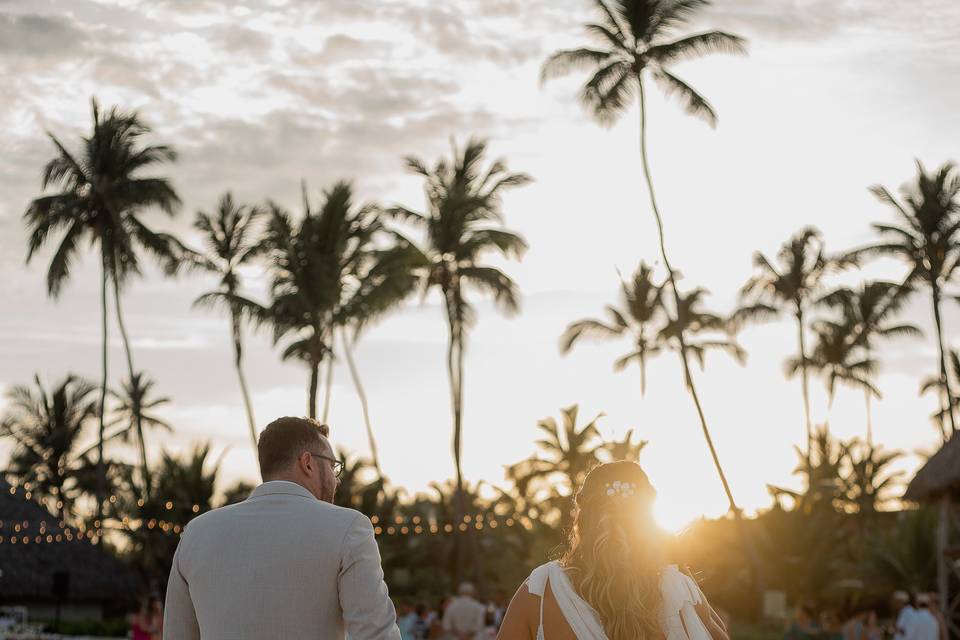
[{"x": 257, "y": 95}]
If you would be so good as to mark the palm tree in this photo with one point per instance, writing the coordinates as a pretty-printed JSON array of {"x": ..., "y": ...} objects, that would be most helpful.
[
  {"x": 184, "y": 487},
  {"x": 871, "y": 479},
  {"x": 837, "y": 357},
  {"x": 928, "y": 241},
  {"x": 102, "y": 193},
  {"x": 826, "y": 489},
  {"x": 904, "y": 556},
  {"x": 47, "y": 428},
  {"x": 569, "y": 454},
  {"x": 869, "y": 309},
  {"x": 691, "y": 319},
  {"x": 935, "y": 383},
  {"x": 463, "y": 222},
  {"x": 311, "y": 263},
  {"x": 640, "y": 309},
  {"x": 802, "y": 264},
  {"x": 635, "y": 39},
  {"x": 625, "y": 449},
  {"x": 230, "y": 245},
  {"x": 136, "y": 403},
  {"x": 378, "y": 283}
]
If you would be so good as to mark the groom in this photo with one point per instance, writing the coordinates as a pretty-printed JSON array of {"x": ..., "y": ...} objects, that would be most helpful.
[{"x": 284, "y": 563}]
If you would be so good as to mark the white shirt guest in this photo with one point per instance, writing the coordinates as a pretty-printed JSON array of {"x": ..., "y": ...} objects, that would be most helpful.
[
  {"x": 924, "y": 624},
  {"x": 905, "y": 615},
  {"x": 464, "y": 617}
]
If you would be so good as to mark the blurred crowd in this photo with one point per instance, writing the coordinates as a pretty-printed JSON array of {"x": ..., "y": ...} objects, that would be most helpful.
[
  {"x": 904, "y": 617},
  {"x": 460, "y": 617}
]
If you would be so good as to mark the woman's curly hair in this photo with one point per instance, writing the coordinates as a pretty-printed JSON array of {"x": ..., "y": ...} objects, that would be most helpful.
[{"x": 613, "y": 555}]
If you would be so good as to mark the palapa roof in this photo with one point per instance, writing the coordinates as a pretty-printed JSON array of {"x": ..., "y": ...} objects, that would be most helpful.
[
  {"x": 28, "y": 569},
  {"x": 939, "y": 476}
]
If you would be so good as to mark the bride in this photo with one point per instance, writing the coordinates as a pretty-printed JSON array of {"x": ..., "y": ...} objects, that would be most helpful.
[{"x": 612, "y": 583}]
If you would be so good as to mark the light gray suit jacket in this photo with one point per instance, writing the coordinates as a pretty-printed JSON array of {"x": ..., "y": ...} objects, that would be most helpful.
[{"x": 280, "y": 564}]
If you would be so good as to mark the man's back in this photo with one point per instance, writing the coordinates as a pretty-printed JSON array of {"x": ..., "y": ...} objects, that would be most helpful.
[
  {"x": 281, "y": 564},
  {"x": 464, "y": 615},
  {"x": 924, "y": 625}
]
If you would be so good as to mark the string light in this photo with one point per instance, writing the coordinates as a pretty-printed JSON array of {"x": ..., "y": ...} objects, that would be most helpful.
[{"x": 413, "y": 526}]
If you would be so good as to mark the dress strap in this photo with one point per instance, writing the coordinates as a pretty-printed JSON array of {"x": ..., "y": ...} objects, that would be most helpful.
[
  {"x": 537, "y": 582},
  {"x": 537, "y": 585},
  {"x": 543, "y": 597}
]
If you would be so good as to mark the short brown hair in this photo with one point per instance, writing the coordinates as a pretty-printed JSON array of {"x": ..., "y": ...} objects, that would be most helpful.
[{"x": 284, "y": 439}]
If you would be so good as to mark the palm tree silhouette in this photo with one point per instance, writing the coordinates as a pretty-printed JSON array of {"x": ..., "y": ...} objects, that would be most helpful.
[
  {"x": 870, "y": 309},
  {"x": 231, "y": 243},
  {"x": 838, "y": 357},
  {"x": 935, "y": 384},
  {"x": 569, "y": 454},
  {"x": 691, "y": 319},
  {"x": 927, "y": 240},
  {"x": 310, "y": 262},
  {"x": 640, "y": 311},
  {"x": 136, "y": 403},
  {"x": 625, "y": 449},
  {"x": 463, "y": 221},
  {"x": 635, "y": 40},
  {"x": 378, "y": 283},
  {"x": 47, "y": 428},
  {"x": 871, "y": 479},
  {"x": 102, "y": 193},
  {"x": 793, "y": 286}
]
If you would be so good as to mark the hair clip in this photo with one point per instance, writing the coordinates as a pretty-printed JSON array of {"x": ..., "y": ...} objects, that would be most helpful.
[{"x": 618, "y": 488}]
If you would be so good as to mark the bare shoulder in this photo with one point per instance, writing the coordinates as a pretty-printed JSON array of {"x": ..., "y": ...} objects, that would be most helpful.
[{"x": 522, "y": 617}]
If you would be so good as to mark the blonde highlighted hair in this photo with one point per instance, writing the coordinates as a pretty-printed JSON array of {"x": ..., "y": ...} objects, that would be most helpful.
[{"x": 614, "y": 553}]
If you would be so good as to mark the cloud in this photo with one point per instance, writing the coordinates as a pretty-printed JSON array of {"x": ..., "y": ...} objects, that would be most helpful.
[
  {"x": 444, "y": 27},
  {"x": 343, "y": 48},
  {"x": 39, "y": 36},
  {"x": 239, "y": 39},
  {"x": 818, "y": 19}
]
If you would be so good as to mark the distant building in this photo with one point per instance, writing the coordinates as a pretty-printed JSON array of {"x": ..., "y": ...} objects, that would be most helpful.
[{"x": 39, "y": 558}]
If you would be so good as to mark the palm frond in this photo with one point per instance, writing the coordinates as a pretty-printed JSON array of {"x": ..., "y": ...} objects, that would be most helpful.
[
  {"x": 567, "y": 61},
  {"x": 692, "y": 102},
  {"x": 697, "y": 45}
]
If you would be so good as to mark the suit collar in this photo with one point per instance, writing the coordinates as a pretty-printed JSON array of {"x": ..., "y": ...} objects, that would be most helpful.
[{"x": 281, "y": 487}]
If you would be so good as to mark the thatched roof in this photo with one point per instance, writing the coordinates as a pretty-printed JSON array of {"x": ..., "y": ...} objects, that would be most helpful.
[
  {"x": 939, "y": 476},
  {"x": 27, "y": 569}
]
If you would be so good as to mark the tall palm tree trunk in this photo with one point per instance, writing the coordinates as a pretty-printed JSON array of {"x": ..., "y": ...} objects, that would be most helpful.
[
  {"x": 641, "y": 349},
  {"x": 455, "y": 370},
  {"x": 101, "y": 470},
  {"x": 749, "y": 549},
  {"x": 947, "y": 393},
  {"x": 364, "y": 404},
  {"x": 238, "y": 363},
  {"x": 144, "y": 467},
  {"x": 312, "y": 389},
  {"x": 868, "y": 407},
  {"x": 328, "y": 385},
  {"x": 805, "y": 377},
  {"x": 691, "y": 387}
]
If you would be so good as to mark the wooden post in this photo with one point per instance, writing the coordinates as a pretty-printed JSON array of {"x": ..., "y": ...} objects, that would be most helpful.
[{"x": 943, "y": 571}]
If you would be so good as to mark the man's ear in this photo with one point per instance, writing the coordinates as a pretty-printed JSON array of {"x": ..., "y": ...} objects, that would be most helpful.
[{"x": 305, "y": 461}]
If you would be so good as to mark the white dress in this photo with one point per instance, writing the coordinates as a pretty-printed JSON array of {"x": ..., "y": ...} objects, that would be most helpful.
[{"x": 678, "y": 618}]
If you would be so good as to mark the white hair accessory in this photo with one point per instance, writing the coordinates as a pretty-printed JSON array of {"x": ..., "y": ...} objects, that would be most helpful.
[{"x": 622, "y": 489}]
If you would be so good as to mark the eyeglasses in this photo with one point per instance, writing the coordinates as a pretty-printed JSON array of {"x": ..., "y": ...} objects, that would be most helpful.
[{"x": 337, "y": 464}]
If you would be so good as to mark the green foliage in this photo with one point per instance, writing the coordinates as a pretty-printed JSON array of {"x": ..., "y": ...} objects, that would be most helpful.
[
  {"x": 47, "y": 429},
  {"x": 109, "y": 628}
]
